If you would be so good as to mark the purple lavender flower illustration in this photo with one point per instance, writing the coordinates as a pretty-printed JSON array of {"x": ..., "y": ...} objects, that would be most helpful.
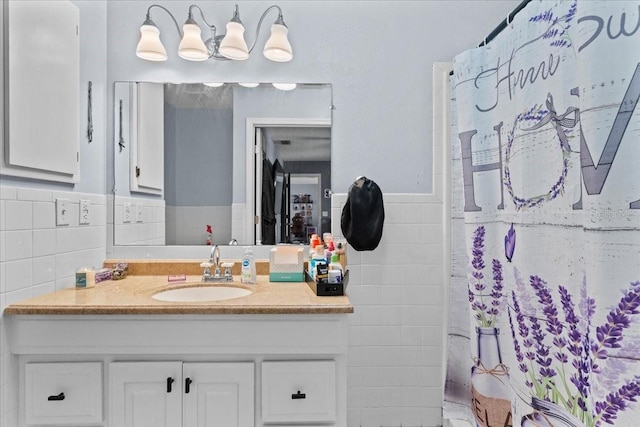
[
  {"x": 609, "y": 335},
  {"x": 617, "y": 401},
  {"x": 545, "y": 369},
  {"x": 510, "y": 243},
  {"x": 485, "y": 314}
]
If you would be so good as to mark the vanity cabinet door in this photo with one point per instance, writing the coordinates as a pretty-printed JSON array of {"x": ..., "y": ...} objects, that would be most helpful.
[
  {"x": 218, "y": 394},
  {"x": 145, "y": 394}
]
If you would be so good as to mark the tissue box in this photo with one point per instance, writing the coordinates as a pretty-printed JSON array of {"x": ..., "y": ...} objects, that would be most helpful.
[{"x": 286, "y": 264}]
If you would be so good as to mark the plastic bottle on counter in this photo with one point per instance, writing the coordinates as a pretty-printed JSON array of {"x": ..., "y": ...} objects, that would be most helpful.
[
  {"x": 341, "y": 250},
  {"x": 248, "y": 268},
  {"x": 313, "y": 242},
  {"x": 335, "y": 269},
  {"x": 317, "y": 258}
]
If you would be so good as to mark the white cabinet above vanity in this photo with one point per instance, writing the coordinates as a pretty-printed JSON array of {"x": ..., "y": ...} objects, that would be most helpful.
[{"x": 277, "y": 356}]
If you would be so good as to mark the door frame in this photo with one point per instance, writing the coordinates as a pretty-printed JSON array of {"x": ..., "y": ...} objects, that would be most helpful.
[{"x": 252, "y": 220}]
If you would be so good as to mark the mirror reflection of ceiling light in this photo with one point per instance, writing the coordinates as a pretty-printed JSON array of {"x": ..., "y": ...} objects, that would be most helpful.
[
  {"x": 249, "y": 85},
  {"x": 231, "y": 45},
  {"x": 213, "y": 84},
  {"x": 285, "y": 86}
]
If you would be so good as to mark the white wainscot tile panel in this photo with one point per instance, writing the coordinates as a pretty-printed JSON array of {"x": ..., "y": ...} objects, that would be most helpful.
[
  {"x": 17, "y": 275},
  {"x": 66, "y": 265},
  {"x": 66, "y": 239},
  {"x": 44, "y": 269},
  {"x": 44, "y": 215},
  {"x": 2, "y": 214},
  {"x": 8, "y": 193},
  {"x": 18, "y": 245},
  {"x": 18, "y": 215},
  {"x": 44, "y": 242},
  {"x": 89, "y": 237},
  {"x": 34, "y": 194}
]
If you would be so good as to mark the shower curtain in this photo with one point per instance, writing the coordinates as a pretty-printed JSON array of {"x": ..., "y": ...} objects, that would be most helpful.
[{"x": 544, "y": 325}]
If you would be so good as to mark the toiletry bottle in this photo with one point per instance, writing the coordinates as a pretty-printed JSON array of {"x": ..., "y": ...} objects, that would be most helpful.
[
  {"x": 248, "y": 269},
  {"x": 341, "y": 250},
  {"x": 335, "y": 269},
  {"x": 317, "y": 258}
]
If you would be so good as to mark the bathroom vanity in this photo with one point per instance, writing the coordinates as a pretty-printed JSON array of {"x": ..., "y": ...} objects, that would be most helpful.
[{"x": 114, "y": 356}]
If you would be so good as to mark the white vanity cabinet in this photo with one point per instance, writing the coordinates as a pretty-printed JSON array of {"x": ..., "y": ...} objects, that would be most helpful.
[
  {"x": 166, "y": 394},
  {"x": 261, "y": 370}
]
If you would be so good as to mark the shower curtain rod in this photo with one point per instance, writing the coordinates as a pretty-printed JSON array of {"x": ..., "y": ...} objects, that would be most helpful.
[{"x": 501, "y": 26}]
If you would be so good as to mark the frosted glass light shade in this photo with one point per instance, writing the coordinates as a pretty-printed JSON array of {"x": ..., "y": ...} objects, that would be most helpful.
[
  {"x": 278, "y": 48},
  {"x": 285, "y": 86},
  {"x": 233, "y": 45},
  {"x": 192, "y": 47},
  {"x": 150, "y": 47},
  {"x": 249, "y": 84},
  {"x": 214, "y": 84}
]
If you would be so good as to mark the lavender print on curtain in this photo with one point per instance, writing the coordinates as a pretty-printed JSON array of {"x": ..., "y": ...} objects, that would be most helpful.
[{"x": 546, "y": 220}]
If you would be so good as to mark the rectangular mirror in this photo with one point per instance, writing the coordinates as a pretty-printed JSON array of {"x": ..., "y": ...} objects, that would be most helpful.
[{"x": 254, "y": 164}]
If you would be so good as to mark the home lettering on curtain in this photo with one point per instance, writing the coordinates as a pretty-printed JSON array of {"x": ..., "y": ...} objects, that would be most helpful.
[{"x": 546, "y": 221}]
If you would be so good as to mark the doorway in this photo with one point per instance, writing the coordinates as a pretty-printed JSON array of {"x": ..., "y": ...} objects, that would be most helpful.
[{"x": 300, "y": 149}]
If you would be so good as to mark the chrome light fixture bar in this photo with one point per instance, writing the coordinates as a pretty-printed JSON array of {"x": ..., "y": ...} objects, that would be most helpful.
[{"x": 231, "y": 45}]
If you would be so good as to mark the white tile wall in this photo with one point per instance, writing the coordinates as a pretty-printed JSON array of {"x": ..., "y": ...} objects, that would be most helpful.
[
  {"x": 148, "y": 230},
  {"x": 36, "y": 257},
  {"x": 395, "y": 334}
]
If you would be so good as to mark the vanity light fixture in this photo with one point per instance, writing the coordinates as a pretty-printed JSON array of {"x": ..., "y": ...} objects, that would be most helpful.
[
  {"x": 231, "y": 45},
  {"x": 214, "y": 84},
  {"x": 285, "y": 86},
  {"x": 249, "y": 84}
]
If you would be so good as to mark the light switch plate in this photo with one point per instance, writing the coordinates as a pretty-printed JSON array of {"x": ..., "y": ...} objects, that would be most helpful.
[
  {"x": 139, "y": 209},
  {"x": 85, "y": 212},
  {"x": 126, "y": 212},
  {"x": 62, "y": 211}
]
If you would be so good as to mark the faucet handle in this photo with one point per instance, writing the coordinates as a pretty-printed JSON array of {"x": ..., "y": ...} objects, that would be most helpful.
[
  {"x": 227, "y": 270},
  {"x": 207, "y": 268}
]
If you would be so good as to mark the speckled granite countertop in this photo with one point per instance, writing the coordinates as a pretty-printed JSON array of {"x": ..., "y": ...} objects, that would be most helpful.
[{"x": 133, "y": 296}]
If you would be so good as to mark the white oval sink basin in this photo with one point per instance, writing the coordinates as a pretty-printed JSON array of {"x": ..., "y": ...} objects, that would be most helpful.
[{"x": 201, "y": 293}]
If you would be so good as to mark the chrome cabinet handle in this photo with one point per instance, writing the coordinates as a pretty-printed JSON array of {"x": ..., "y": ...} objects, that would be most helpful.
[{"x": 169, "y": 382}]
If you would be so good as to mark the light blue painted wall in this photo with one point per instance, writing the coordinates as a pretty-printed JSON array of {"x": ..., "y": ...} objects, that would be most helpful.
[
  {"x": 377, "y": 55},
  {"x": 198, "y": 157}
]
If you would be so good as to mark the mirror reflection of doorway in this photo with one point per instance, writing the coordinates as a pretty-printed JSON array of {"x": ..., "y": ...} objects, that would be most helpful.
[
  {"x": 304, "y": 206},
  {"x": 299, "y": 158}
]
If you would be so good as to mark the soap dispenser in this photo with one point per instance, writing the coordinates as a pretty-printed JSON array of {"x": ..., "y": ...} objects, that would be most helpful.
[{"x": 248, "y": 268}]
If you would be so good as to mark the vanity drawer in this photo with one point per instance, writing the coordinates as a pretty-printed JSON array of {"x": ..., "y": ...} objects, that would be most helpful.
[
  {"x": 63, "y": 393},
  {"x": 299, "y": 392}
]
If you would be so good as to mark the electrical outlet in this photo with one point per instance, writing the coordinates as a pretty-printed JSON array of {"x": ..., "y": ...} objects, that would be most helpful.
[
  {"x": 62, "y": 212},
  {"x": 126, "y": 212},
  {"x": 85, "y": 212},
  {"x": 139, "y": 209}
]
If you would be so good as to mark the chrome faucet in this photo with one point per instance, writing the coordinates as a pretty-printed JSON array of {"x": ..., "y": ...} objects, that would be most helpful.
[
  {"x": 214, "y": 258},
  {"x": 214, "y": 261}
]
